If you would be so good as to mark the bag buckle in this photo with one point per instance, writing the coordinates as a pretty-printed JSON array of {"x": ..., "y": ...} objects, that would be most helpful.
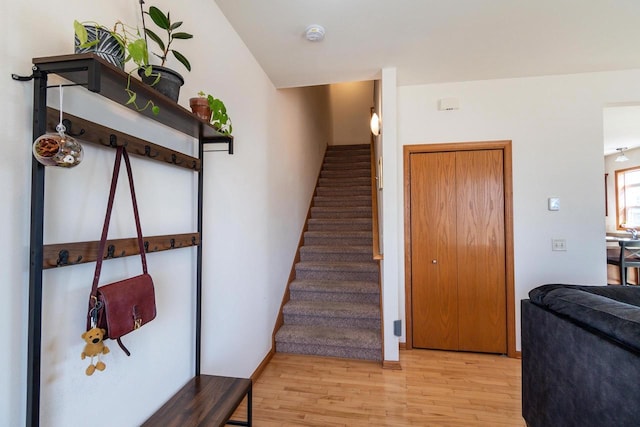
[{"x": 137, "y": 320}]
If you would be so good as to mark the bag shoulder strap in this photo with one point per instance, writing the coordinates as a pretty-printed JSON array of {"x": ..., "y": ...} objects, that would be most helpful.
[{"x": 121, "y": 152}]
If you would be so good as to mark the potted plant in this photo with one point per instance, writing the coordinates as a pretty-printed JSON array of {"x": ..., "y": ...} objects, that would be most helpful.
[
  {"x": 200, "y": 106},
  {"x": 95, "y": 38},
  {"x": 213, "y": 110},
  {"x": 130, "y": 43},
  {"x": 163, "y": 79}
]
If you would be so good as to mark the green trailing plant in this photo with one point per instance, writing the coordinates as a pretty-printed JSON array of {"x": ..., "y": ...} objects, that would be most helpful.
[
  {"x": 133, "y": 44},
  {"x": 219, "y": 117}
]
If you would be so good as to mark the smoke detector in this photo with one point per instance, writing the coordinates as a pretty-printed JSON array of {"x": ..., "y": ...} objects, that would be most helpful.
[{"x": 314, "y": 33}]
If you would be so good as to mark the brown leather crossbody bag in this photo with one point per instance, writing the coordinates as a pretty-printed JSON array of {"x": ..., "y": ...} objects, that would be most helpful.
[{"x": 124, "y": 306}]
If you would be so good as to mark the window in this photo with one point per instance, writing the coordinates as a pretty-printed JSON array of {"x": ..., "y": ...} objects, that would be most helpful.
[{"x": 628, "y": 198}]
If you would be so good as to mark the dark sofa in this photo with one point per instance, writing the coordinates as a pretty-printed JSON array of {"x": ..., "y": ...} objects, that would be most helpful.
[{"x": 581, "y": 356}]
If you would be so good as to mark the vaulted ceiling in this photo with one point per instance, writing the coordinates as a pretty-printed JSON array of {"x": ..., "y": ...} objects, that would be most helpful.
[{"x": 431, "y": 41}]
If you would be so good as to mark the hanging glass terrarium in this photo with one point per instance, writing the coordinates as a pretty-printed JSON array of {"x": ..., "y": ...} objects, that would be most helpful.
[{"x": 58, "y": 149}]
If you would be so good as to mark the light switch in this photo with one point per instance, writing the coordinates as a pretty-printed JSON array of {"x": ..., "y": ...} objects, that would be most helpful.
[
  {"x": 558, "y": 245},
  {"x": 554, "y": 203}
]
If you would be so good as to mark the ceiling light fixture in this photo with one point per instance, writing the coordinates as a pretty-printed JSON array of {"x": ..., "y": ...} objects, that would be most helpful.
[
  {"x": 621, "y": 157},
  {"x": 314, "y": 33}
]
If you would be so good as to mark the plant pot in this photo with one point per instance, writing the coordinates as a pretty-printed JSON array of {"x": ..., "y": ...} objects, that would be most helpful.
[
  {"x": 108, "y": 47},
  {"x": 169, "y": 83},
  {"x": 200, "y": 107}
]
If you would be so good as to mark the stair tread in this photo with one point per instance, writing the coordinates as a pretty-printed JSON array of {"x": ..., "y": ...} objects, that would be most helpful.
[
  {"x": 340, "y": 220},
  {"x": 366, "y": 249},
  {"x": 337, "y": 286},
  {"x": 332, "y": 309},
  {"x": 347, "y": 147},
  {"x": 341, "y": 208},
  {"x": 342, "y": 199},
  {"x": 356, "y": 180},
  {"x": 341, "y": 191},
  {"x": 337, "y": 266},
  {"x": 350, "y": 233},
  {"x": 356, "y": 158},
  {"x": 324, "y": 335},
  {"x": 339, "y": 226},
  {"x": 348, "y": 165}
]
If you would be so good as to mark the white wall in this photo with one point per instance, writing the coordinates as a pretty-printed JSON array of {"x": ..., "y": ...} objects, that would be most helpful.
[
  {"x": 555, "y": 124},
  {"x": 351, "y": 112},
  {"x": 255, "y": 203},
  {"x": 254, "y": 217},
  {"x": 391, "y": 223}
]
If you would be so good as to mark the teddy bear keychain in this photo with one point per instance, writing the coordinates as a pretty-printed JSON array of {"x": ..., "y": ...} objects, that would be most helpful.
[{"x": 94, "y": 344}]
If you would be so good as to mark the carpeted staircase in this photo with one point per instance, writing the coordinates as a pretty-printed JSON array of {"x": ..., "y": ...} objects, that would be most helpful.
[{"x": 334, "y": 306}]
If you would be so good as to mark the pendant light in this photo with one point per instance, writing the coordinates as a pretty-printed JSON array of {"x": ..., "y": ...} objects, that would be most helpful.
[{"x": 621, "y": 157}]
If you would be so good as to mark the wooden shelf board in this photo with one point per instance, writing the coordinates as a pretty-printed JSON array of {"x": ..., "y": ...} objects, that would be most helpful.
[
  {"x": 206, "y": 400},
  {"x": 100, "y": 76},
  {"x": 83, "y": 252},
  {"x": 102, "y": 135}
]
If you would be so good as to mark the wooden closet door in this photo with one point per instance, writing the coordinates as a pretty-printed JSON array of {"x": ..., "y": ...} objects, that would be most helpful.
[
  {"x": 433, "y": 247},
  {"x": 481, "y": 251},
  {"x": 458, "y": 278}
]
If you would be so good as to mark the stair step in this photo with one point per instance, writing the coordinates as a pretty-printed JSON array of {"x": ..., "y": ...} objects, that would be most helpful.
[
  {"x": 341, "y": 150},
  {"x": 336, "y": 253},
  {"x": 351, "y": 190},
  {"x": 353, "y": 343},
  {"x": 351, "y": 165},
  {"x": 340, "y": 224},
  {"x": 344, "y": 238},
  {"x": 341, "y": 212},
  {"x": 342, "y": 200},
  {"x": 346, "y": 173},
  {"x": 332, "y": 313},
  {"x": 334, "y": 290},
  {"x": 341, "y": 182},
  {"x": 350, "y": 158},
  {"x": 337, "y": 270}
]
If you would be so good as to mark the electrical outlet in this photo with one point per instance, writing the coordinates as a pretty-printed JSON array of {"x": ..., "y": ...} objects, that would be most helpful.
[
  {"x": 558, "y": 245},
  {"x": 397, "y": 328}
]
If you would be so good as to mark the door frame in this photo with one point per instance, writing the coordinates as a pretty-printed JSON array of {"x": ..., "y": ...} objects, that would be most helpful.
[{"x": 505, "y": 146}]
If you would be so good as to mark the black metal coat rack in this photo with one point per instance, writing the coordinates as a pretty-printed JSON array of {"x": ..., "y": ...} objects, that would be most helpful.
[{"x": 100, "y": 77}]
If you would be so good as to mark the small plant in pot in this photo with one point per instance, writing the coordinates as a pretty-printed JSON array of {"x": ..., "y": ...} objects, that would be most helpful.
[
  {"x": 91, "y": 37},
  {"x": 213, "y": 110},
  {"x": 164, "y": 79},
  {"x": 200, "y": 106},
  {"x": 130, "y": 45}
]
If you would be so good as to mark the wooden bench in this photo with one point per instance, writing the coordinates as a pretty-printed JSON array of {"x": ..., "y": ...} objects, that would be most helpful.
[{"x": 206, "y": 400}]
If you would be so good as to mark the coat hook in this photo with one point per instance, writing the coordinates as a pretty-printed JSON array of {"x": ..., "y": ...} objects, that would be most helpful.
[
  {"x": 194, "y": 165},
  {"x": 174, "y": 159},
  {"x": 172, "y": 242},
  {"x": 20, "y": 78},
  {"x": 147, "y": 152},
  {"x": 146, "y": 246},
  {"x": 63, "y": 258},
  {"x": 193, "y": 240},
  {"x": 68, "y": 125},
  {"x": 113, "y": 141},
  {"x": 111, "y": 249}
]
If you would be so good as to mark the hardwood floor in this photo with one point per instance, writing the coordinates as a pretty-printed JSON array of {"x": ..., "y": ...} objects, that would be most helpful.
[{"x": 434, "y": 388}]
